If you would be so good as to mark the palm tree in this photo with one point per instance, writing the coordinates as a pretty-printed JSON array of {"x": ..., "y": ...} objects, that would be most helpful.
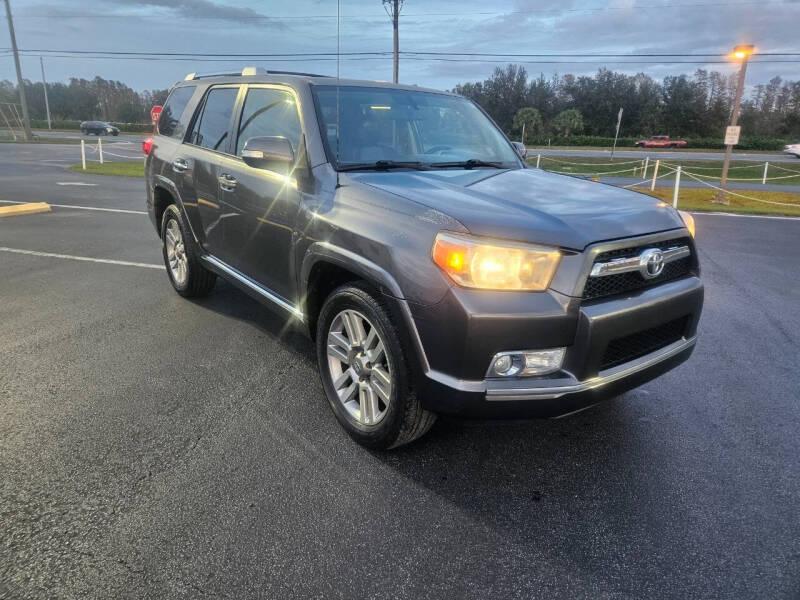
[
  {"x": 569, "y": 120},
  {"x": 528, "y": 120}
]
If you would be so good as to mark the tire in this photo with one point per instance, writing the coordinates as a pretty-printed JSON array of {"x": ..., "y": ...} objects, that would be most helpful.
[
  {"x": 387, "y": 424},
  {"x": 188, "y": 276},
  {"x": 84, "y": 132}
]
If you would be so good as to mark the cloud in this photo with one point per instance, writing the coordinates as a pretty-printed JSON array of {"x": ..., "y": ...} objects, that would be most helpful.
[{"x": 205, "y": 9}]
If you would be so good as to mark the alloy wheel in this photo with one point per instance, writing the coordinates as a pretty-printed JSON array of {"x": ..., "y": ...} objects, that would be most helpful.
[
  {"x": 359, "y": 368},
  {"x": 176, "y": 252}
]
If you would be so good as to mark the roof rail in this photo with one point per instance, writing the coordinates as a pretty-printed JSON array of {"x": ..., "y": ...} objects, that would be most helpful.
[
  {"x": 192, "y": 76},
  {"x": 250, "y": 72}
]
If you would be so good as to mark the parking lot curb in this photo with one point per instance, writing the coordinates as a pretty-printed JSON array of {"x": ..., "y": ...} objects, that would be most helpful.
[{"x": 24, "y": 209}]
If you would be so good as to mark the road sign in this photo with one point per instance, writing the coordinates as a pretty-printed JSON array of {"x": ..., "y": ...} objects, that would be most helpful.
[
  {"x": 154, "y": 114},
  {"x": 732, "y": 135}
]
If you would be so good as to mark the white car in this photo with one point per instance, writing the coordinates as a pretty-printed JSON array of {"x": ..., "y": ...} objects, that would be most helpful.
[{"x": 792, "y": 149}]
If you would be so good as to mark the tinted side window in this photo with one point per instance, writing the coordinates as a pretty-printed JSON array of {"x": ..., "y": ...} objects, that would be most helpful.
[
  {"x": 269, "y": 112},
  {"x": 211, "y": 130},
  {"x": 169, "y": 122}
]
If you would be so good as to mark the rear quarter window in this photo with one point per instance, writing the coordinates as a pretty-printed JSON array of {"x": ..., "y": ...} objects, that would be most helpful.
[{"x": 172, "y": 121}]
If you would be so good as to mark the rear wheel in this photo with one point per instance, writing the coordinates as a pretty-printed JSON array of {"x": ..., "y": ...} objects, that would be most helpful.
[
  {"x": 182, "y": 257},
  {"x": 365, "y": 371}
]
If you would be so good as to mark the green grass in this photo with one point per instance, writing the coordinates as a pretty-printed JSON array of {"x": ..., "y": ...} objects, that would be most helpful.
[
  {"x": 710, "y": 170},
  {"x": 535, "y": 149},
  {"x": 120, "y": 169},
  {"x": 700, "y": 200}
]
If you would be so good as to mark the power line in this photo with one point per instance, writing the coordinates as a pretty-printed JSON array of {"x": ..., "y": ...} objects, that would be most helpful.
[
  {"x": 689, "y": 5},
  {"x": 408, "y": 53},
  {"x": 511, "y": 59}
]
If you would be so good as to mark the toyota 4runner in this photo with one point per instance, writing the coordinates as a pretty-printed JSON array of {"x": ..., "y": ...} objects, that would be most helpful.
[{"x": 435, "y": 270}]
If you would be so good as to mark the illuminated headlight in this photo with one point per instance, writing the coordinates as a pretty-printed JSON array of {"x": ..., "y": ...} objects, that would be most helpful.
[
  {"x": 688, "y": 220},
  {"x": 495, "y": 265},
  {"x": 526, "y": 363}
]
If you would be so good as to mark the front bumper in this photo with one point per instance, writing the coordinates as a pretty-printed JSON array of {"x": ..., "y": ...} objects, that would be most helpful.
[{"x": 582, "y": 381}]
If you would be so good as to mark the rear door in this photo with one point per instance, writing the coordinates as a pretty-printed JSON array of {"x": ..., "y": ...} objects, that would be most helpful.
[
  {"x": 263, "y": 203},
  {"x": 207, "y": 145},
  {"x": 170, "y": 131}
]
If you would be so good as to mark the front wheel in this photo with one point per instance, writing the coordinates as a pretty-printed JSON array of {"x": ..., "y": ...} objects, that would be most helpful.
[
  {"x": 365, "y": 371},
  {"x": 182, "y": 257}
]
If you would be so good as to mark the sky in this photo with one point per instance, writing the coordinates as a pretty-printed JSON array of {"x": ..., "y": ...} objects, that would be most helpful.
[{"x": 510, "y": 27}]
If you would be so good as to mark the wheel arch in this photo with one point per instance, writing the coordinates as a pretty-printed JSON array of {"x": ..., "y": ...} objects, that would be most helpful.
[
  {"x": 162, "y": 198},
  {"x": 326, "y": 266}
]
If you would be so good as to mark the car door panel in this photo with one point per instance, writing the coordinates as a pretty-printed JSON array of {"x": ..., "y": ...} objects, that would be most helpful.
[
  {"x": 262, "y": 204},
  {"x": 197, "y": 164}
]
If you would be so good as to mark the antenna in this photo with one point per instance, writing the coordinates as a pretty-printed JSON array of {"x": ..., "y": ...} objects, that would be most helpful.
[{"x": 338, "y": 119}]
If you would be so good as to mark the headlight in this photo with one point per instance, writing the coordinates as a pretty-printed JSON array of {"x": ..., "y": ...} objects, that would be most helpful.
[
  {"x": 688, "y": 220},
  {"x": 495, "y": 265}
]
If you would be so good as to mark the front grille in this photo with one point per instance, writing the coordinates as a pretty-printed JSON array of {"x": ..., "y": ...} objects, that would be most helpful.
[
  {"x": 610, "y": 285},
  {"x": 631, "y": 347}
]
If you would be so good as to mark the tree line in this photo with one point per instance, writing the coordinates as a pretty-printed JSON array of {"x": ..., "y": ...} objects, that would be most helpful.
[
  {"x": 695, "y": 106},
  {"x": 692, "y": 106},
  {"x": 86, "y": 100}
]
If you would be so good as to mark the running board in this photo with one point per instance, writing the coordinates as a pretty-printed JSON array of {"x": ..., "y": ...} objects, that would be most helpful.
[{"x": 250, "y": 285}]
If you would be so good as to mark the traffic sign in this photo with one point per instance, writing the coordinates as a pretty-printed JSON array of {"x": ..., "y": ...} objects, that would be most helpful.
[
  {"x": 732, "y": 135},
  {"x": 154, "y": 114}
]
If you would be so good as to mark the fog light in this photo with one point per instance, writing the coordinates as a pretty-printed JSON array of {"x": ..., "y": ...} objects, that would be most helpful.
[
  {"x": 503, "y": 364},
  {"x": 526, "y": 363},
  {"x": 543, "y": 361}
]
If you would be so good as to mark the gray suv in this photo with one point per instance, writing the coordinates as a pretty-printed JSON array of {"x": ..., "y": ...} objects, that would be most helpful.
[{"x": 436, "y": 271}]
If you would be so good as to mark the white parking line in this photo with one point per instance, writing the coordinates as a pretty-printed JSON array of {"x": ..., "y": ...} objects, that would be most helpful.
[
  {"x": 75, "y": 183},
  {"x": 114, "y": 210},
  {"x": 107, "y": 261}
]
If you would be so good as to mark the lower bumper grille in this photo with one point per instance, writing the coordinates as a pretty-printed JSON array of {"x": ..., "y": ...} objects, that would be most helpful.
[{"x": 636, "y": 345}]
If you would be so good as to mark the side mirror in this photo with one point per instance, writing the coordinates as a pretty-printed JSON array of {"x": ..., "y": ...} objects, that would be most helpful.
[
  {"x": 521, "y": 149},
  {"x": 273, "y": 153}
]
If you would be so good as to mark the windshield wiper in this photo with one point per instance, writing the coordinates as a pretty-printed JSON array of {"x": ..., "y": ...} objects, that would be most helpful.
[
  {"x": 384, "y": 165},
  {"x": 468, "y": 164}
]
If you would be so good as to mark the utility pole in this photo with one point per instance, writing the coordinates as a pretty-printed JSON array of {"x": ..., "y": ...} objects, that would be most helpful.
[
  {"x": 46, "y": 103},
  {"x": 26, "y": 122},
  {"x": 393, "y": 8},
  {"x": 742, "y": 53}
]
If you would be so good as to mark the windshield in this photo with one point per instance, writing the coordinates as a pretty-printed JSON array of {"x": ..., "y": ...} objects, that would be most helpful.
[{"x": 386, "y": 124}]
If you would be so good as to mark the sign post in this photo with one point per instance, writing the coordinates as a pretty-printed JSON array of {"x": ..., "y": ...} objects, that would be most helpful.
[
  {"x": 732, "y": 135},
  {"x": 616, "y": 135}
]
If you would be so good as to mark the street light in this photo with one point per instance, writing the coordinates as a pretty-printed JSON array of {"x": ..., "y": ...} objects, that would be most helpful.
[{"x": 741, "y": 53}]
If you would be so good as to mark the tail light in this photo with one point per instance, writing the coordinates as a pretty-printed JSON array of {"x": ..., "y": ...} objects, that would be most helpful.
[{"x": 147, "y": 145}]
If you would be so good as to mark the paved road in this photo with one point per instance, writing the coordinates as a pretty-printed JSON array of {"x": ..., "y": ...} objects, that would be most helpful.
[
  {"x": 663, "y": 154},
  {"x": 126, "y": 137},
  {"x": 64, "y": 154},
  {"x": 154, "y": 447}
]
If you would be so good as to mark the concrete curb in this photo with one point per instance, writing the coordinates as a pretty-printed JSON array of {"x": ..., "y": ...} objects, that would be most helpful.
[{"x": 24, "y": 209}]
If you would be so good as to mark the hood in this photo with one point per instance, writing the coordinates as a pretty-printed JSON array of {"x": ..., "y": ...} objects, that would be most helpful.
[{"x": 529, "y": 204}]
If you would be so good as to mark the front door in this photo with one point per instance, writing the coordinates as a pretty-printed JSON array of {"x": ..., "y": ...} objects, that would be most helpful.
[{"x": 263, "y": 204}]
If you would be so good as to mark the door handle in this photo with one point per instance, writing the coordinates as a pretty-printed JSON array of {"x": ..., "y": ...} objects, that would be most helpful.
[
  {"x": 179, "y": 165},
  {"x": 227, "y": 182}
]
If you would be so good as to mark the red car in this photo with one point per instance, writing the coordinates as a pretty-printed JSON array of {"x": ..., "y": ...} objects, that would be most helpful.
[{"x": 660, "y": 141}]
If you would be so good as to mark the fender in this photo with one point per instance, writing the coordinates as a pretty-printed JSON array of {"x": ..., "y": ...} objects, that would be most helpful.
[
  {"x": 319, "y": 251},
  {"x": 173, "y": 189},
  {"x": 387, "y": 285}
]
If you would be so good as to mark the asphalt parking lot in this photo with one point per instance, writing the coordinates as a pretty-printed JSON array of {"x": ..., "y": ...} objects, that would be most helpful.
[{"x": 154, "y": 447}]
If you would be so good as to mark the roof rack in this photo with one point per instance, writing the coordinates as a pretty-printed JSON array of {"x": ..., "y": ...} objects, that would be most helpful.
[{"x": 250, "y": 72}]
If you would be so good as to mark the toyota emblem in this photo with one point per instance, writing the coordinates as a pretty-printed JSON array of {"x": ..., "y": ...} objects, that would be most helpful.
[{"x": 651, "y": 263}]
